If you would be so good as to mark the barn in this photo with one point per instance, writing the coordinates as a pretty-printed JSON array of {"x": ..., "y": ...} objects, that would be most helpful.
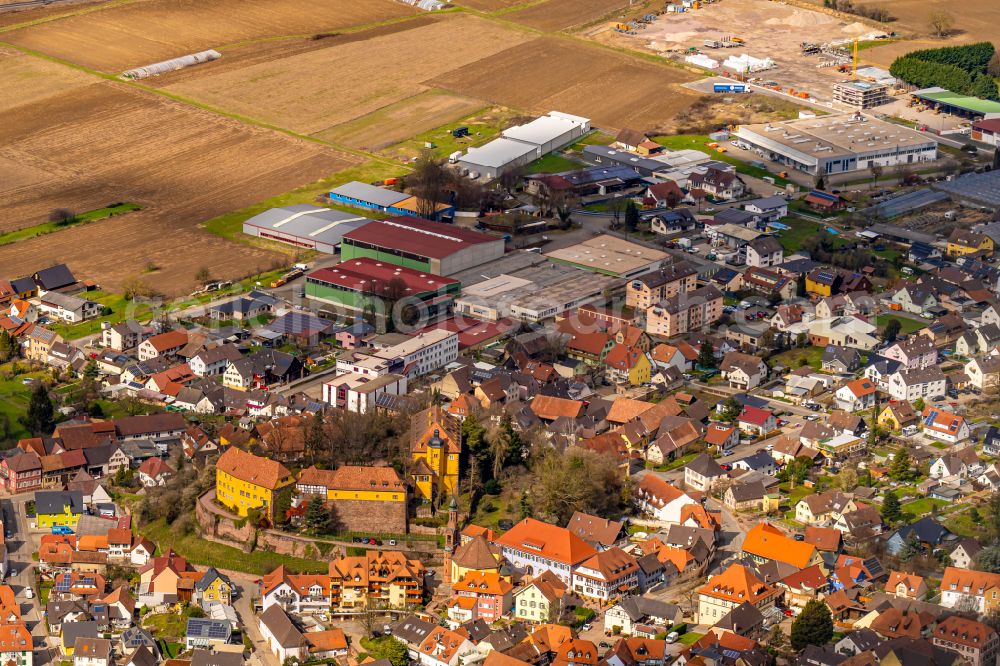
[{"x": 305, "y": 226}]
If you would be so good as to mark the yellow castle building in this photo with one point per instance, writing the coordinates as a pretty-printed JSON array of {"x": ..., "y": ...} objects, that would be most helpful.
[{"x": 435, "y": 450}]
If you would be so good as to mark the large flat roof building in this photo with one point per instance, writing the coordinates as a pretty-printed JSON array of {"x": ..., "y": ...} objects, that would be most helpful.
[
  {"x": 610, "y": 255},
  {"x": 304, "y": 225},
  {"x": 356, "y": 284},
  {"x": 522, "y": 144},
  {"x": 421, "y": 245},
  {"x": 841, "y": 143}
]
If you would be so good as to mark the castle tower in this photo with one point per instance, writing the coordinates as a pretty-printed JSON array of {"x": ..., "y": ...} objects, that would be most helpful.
[{"x": 450, "y": 538}]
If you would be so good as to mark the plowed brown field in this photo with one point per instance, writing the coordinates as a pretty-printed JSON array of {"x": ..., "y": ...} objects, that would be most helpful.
[
  {"x": 314, "y": 91},
  {"x": 562, "y": 14},
  {"x": 102, "y": 142},
  {"x": 120, "y": 37},
  {"x": 548, "y": 73}
]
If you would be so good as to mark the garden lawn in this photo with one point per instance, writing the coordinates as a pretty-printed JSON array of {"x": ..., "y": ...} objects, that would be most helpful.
[
  {"x": 209, "y": 553},
  {"x": 690, "y": 638},
  {"x": 166, "y": 625},
  {"x": 792, "y": 358},
  {"x": 121, "y": 309},
  {"x": 906, "y": 324},
  {"x": 923, "y": 507},
  {"x": 14, "y": 399},
  {"x": 791, "y": 239},
  {"x": 698, "y": 141}
]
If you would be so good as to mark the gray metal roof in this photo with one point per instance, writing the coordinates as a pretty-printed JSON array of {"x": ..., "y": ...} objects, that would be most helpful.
[
  {"x": 309, "y": 222},
  {"x": 981, "y": 188},
  {"x": 497, "y": 153},
  {"x": 369, "y": 193}
]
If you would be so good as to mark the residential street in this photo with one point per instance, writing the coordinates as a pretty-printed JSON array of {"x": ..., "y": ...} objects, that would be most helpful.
[{"x": 20, "y": 545}]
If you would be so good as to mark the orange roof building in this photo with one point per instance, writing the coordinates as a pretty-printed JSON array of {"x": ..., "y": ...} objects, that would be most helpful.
[
  {"x": 490, "y": 595},
  {"x": 733, "y": 587},
  {"x": 245, "y": 482},
  {"x": 766, "y": 543},
  {"x": 533, "y": 547}
]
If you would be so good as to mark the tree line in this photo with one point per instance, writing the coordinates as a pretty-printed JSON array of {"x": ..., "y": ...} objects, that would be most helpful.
[{"x": 961, "y": 69}]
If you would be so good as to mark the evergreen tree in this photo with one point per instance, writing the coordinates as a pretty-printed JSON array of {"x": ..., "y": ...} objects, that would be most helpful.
[
  {"x": 8, "y": 346},
  {"x": 317, "y": 518},
  {"x": 901, "y": 467},
  {"x": 813, "y": 626},
  {"x": 706, "y": 355},
  {"x": 41, "y": 414},
  {"x": 892, "y": 511},
  {"x": 891, "y": 330},
  {"x": 631, "y": 216},
  {"x": 911, "y": 548},
  {"x": 731, "y": 410},
  {"x": 90, "y": 370}
]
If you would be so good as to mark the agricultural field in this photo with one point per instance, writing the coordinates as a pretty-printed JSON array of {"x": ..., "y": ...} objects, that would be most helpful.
[
  {"x": 612, "y": 89},
  {"x": 552, "y": 15},
  {"x": 401, "y": 120},
  {"x": 103, "y": 142},
  {"x": 974, "y": 21},
  {"x": 118, "y": 37},
  {"x": 315, "y": 91}
]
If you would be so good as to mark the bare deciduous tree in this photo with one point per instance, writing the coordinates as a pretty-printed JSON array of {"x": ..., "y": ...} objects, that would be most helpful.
[{"x": 941, "y": 23}]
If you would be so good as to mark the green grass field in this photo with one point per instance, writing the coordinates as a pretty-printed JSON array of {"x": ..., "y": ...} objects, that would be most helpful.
[
  {"x": 209, "y": 553},
  {"x": 698, "y": 141},
  {"x": 907, "y": 325},
  {"x": 554, "y": 163},
  {"x": 595, "y": 138},
  {"x": 483, "y": 127},
  {"x": 51, "y": 227}
]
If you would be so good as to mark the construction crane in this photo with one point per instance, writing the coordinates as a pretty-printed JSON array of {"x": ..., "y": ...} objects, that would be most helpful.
[{"x": 854, "y": 62}]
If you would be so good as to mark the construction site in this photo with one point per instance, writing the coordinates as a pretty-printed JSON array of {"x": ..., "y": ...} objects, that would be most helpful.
[{"x": 777, "y": 50}]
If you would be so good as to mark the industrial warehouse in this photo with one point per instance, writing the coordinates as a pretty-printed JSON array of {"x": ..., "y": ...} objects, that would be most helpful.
[
  {"x": 363, "y": 195},
  {"x": 610, "y": 256},
  {"x": 357, "y": 284},
  {"x": 533, "y": 292},
  {"x": 305, "y": 226},
  {"x": 521, "y": 144},
  {"x": 838, "y": 143},
  {"x": 421, "y": 245}
]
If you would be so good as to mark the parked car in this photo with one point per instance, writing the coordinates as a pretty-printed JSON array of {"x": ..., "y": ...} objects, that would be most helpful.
[
  {"x": 61, "y": 529},
  {"x": 672, "y": 637}
]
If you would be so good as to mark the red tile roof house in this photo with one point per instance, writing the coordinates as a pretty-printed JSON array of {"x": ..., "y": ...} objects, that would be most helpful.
[
  {"x": 164, "y": 344},
  {"x": 155, "y": 472},
  {"x": 756, "y": 421},
  {"x": 21, "y": 473}
]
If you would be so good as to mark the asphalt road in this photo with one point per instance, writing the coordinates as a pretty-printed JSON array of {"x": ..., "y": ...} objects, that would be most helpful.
[{"x": 20, "y": 546}]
